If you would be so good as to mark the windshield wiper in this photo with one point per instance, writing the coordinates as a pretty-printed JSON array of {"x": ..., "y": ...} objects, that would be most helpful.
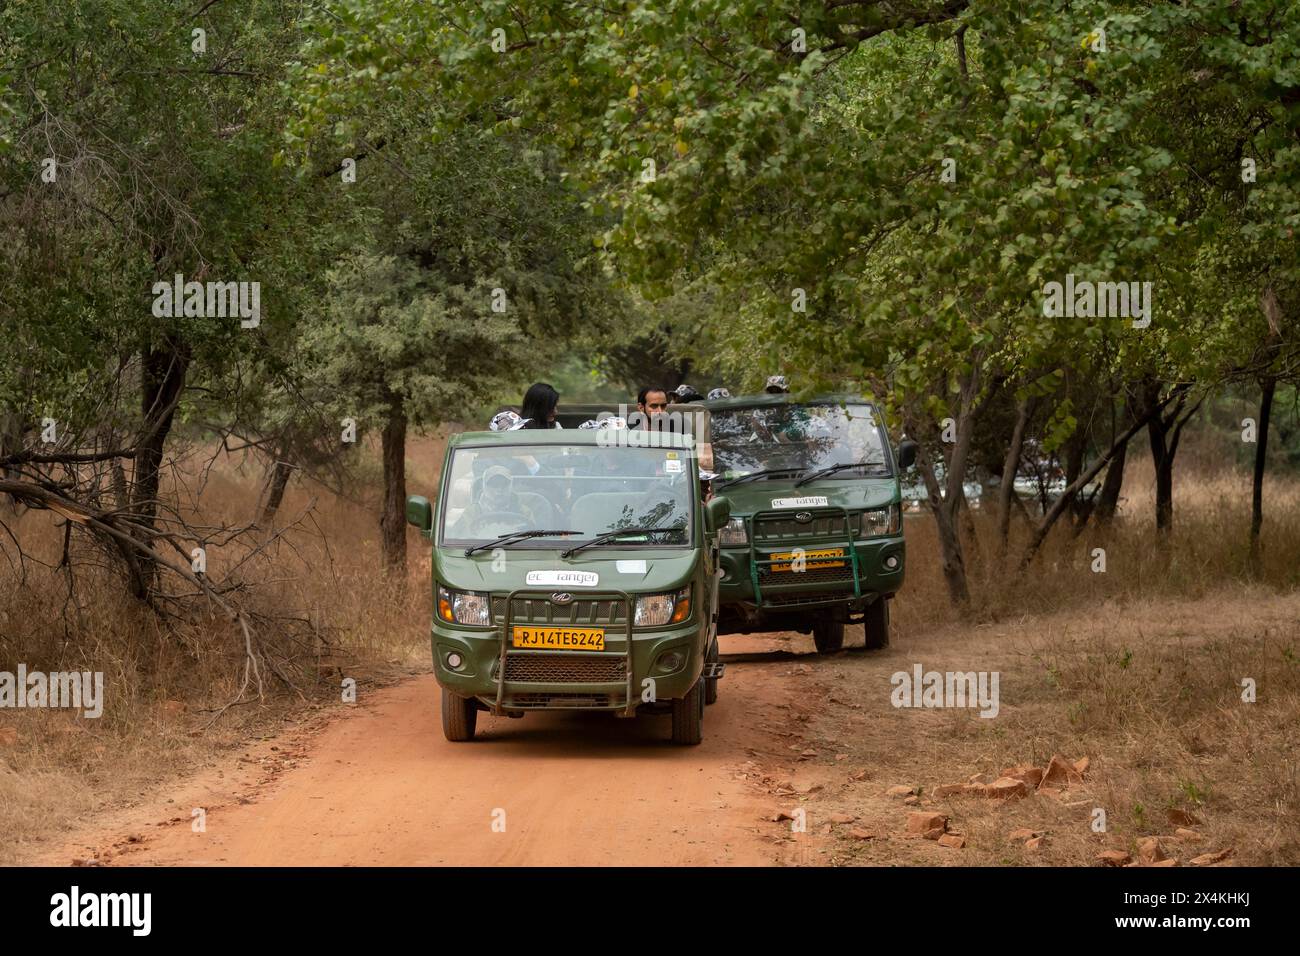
[
  {"x": 822, "y": 472},
  {"x": 513, "y": 537},
  {"x": 757, "y": 474},
  {"x": 612, "y": 535}
]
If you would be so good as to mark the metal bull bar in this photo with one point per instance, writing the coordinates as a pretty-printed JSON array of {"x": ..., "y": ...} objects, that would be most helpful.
[
  {"x": 755, "y": 561},
  {"x": 507, "y": 631}
]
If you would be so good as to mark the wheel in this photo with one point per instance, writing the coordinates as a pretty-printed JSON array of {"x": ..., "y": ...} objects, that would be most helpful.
[
  {"x": 711, "y": 685},
  {"x": 828, "y": 634},
  {"x": 688, "y": 716},
  {"x": 876, "y": 625},
  {"x": 459, "y": 716}
]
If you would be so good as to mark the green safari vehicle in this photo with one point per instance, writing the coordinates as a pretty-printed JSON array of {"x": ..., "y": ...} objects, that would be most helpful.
[
  {"x": 814, "y": 540},
  {"x": 573, "y": 569}
]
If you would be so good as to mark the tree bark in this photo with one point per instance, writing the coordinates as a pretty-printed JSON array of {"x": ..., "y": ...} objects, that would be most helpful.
[
  {"x": 11, "y": 443},
  {"x": 945, "y": 503},
  {"x": 393, "y": 523},
  {"x": 275, "y": 487},
  {"x": 1075, "y": 449},
  {"x": 953, "y": 561},
  {"x": 1109, "y": 501},
  {"x": 162, "y": 383},
  {"x": 1267, "y": 388},
  {"x": 1162, "y": 435},
  {"x": 1010, "y": 466}
]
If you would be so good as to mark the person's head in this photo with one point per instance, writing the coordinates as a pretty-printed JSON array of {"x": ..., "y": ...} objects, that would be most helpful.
[
  {"x": 718, "y": 393},
  {"x": 652, "y": 400},
  {"x": 777, "y": 385},
  {"x": 497, "y": 489},
  {"x": 539, "y": 405}
]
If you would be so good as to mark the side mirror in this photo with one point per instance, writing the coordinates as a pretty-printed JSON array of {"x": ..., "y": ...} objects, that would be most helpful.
[
  {"x": 716, "y": 513},
  {"x": 419, "y": 512},
  {"x": 906, "y": 454}
]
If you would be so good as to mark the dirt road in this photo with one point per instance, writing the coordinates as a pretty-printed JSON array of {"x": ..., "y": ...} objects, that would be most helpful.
[{"x": 379, "y": 785}]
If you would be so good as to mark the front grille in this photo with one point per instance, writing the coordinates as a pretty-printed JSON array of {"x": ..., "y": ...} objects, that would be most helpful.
[
  {"x": 776, "y": 599},
  {"x": 581, "y": 613},
  {"x": 563, "y": 668},
  {"x": 811, "y": 575},
  {"x": 784, "y": 528},
  {"x": 564, "y": 700}
]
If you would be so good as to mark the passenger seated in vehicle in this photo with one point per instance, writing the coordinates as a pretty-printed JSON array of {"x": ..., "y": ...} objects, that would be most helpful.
[
  {"x": 538, "y": 409},
  {"x": 651, "y": 403}
]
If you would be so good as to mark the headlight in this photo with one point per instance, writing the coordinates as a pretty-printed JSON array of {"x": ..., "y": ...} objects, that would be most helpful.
[
  {"x": 658, "y": 609},
  {"x": 733, "y": 534},
  {"x": 464, "y": 607},
  {"x": 881, "y": 521}
]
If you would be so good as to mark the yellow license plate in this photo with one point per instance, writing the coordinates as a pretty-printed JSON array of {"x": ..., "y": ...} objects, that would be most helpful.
[
  {"x": 559, "y": 638},
  {"x": 812, "y": 559}
]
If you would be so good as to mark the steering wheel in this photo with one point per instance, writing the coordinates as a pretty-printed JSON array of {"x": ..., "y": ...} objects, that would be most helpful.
[{"x": 514, "y": 519}]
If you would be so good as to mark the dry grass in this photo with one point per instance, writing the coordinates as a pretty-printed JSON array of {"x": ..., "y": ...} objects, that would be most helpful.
[
  {"x": 163, "y": 687},
  {"x": 1150, "y": 690},
  {"x": 1207, "y": 549},
  {"x": 1139, "y": 668}
]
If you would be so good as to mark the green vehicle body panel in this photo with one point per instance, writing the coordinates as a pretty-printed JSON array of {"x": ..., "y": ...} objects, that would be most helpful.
[
  {"x": 667, "y": 569},
  {"x": 749, "y": 604}
]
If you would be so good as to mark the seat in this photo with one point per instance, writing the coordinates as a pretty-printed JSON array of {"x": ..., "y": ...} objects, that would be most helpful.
[{"x": 601, "y": 511}]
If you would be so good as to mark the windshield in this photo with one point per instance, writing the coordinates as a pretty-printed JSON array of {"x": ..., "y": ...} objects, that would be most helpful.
[
  {"x": 799, "y": 437},
  {"x": 590, "y": 489}
]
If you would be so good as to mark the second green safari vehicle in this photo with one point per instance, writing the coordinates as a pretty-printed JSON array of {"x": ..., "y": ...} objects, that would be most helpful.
[{"x": 815, "y": 539}]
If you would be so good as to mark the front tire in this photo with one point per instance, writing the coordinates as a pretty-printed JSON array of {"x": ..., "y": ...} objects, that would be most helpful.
[
  {"x": 459, "y": 717},
  {"x": 828, "y": 635},
  {"x": 876, "y": 624},
  {"x": 688, "y": 716}
]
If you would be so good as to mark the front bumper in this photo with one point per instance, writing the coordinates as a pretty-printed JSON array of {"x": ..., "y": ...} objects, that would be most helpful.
[
  {"x": 791, "y": 591},
  {"x": 612, "y": 679}
]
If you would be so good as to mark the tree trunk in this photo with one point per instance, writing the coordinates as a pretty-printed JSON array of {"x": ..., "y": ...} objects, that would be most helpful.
[
  {"x": 972, "y": 538},
  {"x": 1267, "y": 388},
  {"x": 275, "y": 486},
  {"x": 393, "y": 523},
  {"x": 1157, "y": 434},
  {"x": 1075, "y": 449},
  {"x": 1010, "y": 465},
  {"x": 1109, "y": 501},
  {"x": 162, "y": 383},
  {"x": 945, "y": 503},
  {"x": 1163, "y": 432},
  {"x": 11, "y": 443}
]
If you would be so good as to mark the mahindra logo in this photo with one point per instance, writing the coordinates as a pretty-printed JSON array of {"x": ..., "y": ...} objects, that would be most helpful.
[
  {"x": 561, "y": 597},
  {"x": 803, "y": 517}
]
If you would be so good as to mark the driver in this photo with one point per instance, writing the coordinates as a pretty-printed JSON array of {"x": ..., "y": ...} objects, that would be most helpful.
[{"x": 498, "y": 499}]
